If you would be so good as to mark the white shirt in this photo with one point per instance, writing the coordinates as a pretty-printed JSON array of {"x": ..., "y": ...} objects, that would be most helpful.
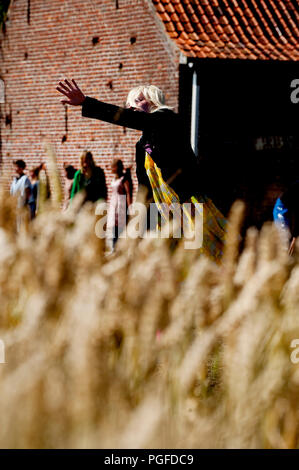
[{"x": 18, "y": 188}]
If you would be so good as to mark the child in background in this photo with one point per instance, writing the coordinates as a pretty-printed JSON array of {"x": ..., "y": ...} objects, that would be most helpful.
[
  {"x": 69, "y": 174},
  {"x": 121, "y": 199},
  {"x": 34, "y": 179},
  {"x": 21, "y": 186}
]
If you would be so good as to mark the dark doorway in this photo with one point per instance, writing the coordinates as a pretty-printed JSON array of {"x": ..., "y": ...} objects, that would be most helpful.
[{"x": 248, "y": 131}]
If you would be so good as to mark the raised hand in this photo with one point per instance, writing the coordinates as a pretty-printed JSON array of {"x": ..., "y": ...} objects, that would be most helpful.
[{"x": 72, "y": 92}]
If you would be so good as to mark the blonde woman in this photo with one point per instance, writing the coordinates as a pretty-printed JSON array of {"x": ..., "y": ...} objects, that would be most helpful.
[
  {"x": 162, "y": 133},
  {"x": 165, "y": 162}
]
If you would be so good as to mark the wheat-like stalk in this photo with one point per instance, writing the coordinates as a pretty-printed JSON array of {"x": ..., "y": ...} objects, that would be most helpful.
[{"x": 152, "y": 346}]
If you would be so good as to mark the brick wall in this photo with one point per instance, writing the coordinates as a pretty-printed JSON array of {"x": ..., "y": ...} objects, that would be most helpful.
[{"x": 108, "y": 46}]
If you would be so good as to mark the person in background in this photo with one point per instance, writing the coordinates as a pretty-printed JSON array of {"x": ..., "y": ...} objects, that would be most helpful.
[
  {"x": 90, "y": 178},
  {"x": 33, "y": 199},
  {"x": 286, "y": 214},
  {"x": 121, "y": 199},
  {"x": 21, "y": 186},
  {"x": 69, "y": 174}
]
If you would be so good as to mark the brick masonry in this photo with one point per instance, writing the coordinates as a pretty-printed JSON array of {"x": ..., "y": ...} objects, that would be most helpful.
[{"x": 108, "y": 46}]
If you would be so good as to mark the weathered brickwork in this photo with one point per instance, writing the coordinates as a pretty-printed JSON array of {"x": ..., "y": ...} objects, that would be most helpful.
[{"x": 108, "y": 50}]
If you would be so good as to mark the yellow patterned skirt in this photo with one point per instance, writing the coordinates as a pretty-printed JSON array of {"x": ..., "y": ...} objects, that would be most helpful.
[{"x": 214, "y": 223}]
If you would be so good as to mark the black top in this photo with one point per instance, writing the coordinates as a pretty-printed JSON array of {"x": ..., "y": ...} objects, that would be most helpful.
[
  {"x": 96, "y": 186},
  {"x": 163, "y": 132}
]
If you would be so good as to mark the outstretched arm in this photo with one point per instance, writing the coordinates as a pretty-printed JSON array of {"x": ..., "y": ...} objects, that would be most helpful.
[
  {"x": 93, "y": 108},
  {"x": 126, "y": 117}
]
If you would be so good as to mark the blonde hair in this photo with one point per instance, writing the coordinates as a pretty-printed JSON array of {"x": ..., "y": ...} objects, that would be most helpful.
[
  {"x": 151, "y": 93},
  {"x": 87, "y": 156}
]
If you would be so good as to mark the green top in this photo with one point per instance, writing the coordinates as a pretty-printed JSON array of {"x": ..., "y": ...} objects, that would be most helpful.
[
  {"x": 78, "y": 184},
  {"x": 95, "y": 186}
]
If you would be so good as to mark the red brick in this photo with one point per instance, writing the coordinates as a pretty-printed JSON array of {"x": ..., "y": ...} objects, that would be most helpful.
[{"x": 58, "y": 42}]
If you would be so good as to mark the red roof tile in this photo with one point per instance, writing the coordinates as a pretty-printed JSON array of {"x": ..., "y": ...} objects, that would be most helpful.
[
  {"x": 169, "y": 8},
  {"x": 243, "y": 29}
]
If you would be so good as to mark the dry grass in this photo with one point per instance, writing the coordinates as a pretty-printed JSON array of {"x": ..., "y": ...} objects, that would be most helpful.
[{"x": 85, "y": 366}]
